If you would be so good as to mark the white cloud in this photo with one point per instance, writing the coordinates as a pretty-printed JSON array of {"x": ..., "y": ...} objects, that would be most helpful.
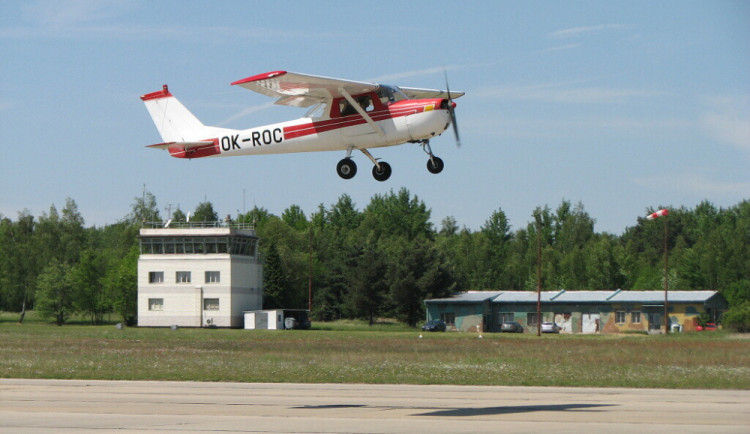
[
  {"x": 72, "y": 19},
  {"x": 245, "y": 112},
  {"x": 694, "y": 183},
  {"x": 580, "y": 126},
  {"x": 728, "y": 121},
  {"x": 561, "y": 48},
  {"x": 562, "y": 93},
  {"x": 579, "y": 31},
  {"x": 67, "y": 13},
  {"x": 390, "y": 78}
]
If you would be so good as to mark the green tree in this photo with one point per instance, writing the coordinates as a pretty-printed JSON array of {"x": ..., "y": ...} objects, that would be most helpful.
[
  {"x": 257, "y": 216},
  {"x": 54, "y": 298},
  {"x": 274, "y": 284},
  {"x": 19, "y": 267},
  {"x": 396, "y": 215},
  {"x": 72, "y": 233},
  {"x": 144, "y": 209},
  {"x": 417, "y": 271},
  {"x": 738, "y": 318},
  {"x": 179, "y": 216},
  {"x": 295, "y": 218},
  {"x": 343, "y": 215},
  {"x": 87, "y": 292},
  {"x": 204, "y": 212},
  {"x": 121, "y": 282},
  {"x": 368, "y": 284},
  {"x": 494, "y": 239}
]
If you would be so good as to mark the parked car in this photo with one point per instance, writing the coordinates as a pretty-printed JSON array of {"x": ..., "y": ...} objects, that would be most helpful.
[
  {"x": 511, "y": 327},
  {"x": 550, "y": 327},
  {"x": 435, "y": 325},
  {"x": 710, "y": 326}
]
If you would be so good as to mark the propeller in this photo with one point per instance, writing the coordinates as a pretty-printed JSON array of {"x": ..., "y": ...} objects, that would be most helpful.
[{"x": 452, "y": 110}]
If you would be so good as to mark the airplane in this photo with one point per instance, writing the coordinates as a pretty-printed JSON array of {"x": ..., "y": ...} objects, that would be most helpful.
[{"x": 343, "y": 115}]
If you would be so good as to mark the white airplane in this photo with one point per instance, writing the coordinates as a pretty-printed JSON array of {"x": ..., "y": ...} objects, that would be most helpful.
[{"x": 343, "y": 116}]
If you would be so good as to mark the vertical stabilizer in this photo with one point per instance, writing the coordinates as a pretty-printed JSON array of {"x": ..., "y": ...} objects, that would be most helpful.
[{"x": 173, "y": 120}]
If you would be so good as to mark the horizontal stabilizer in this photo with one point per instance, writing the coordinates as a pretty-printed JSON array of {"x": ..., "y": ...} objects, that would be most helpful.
[{"x": 183, "y": 145}]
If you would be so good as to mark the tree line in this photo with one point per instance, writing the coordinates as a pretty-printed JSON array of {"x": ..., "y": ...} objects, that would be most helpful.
[{"x": 380, "y": 261}]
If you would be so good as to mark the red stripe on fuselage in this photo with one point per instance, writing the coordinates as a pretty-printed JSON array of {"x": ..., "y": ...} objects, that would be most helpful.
[{"x": 395, "y": 110}]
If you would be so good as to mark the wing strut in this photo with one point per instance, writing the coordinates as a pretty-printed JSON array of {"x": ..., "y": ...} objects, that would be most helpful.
[{"x": 361, "y": 111}]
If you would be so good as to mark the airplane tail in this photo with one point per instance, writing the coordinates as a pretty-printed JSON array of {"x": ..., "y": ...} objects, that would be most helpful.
[{"x": 173, "y": 120}]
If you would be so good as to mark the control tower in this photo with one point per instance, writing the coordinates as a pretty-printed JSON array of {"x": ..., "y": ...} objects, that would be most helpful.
[{"x": 198, "y": 274}]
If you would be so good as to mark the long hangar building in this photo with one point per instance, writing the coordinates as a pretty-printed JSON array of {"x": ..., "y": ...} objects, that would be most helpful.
[{"x": 576, "y": 311}]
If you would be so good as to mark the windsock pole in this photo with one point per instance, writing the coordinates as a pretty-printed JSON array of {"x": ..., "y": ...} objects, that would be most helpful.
[{"x": 653, "y": 216}]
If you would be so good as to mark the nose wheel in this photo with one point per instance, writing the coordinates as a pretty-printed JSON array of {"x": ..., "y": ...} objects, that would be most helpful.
[{"x": 434, "y": 164}]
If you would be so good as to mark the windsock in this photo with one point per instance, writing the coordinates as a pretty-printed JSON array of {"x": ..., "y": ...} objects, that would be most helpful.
[{"x": 657, "y": 214}]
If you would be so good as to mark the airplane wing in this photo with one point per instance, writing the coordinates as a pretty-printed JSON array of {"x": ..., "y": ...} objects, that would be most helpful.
[
  {"x": 302, "y": 90},
  {"x": 417, "y": 93}
]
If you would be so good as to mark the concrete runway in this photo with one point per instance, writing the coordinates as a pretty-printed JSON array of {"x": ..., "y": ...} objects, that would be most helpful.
[{"x": 149, "y": 406}]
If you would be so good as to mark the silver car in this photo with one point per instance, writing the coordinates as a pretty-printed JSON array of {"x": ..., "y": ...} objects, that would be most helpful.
[
  {"x": 511, "y": 327},
  {"x": 550, "y": 327}
]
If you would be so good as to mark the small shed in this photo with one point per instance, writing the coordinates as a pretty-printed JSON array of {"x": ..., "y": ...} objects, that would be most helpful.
[{"x": 277, "y": 319}]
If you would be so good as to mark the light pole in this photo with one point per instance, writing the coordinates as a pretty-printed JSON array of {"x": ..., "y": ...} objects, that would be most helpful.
[
  {"x": 538, "y": 218},
  {"x": 652, "y": 216}
]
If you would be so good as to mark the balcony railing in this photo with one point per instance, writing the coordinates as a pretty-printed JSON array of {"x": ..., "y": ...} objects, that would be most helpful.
[{"x": 198, "y": 225}]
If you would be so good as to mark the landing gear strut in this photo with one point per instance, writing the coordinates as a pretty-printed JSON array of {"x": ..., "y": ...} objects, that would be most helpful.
[
  {"x": 434, "y": 164},
  {"x": 346, "y": 168},
  {"x": 381, "y": 171}
]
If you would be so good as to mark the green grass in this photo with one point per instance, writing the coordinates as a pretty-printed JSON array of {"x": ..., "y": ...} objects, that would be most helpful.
[{"x": 352, "y": 352}]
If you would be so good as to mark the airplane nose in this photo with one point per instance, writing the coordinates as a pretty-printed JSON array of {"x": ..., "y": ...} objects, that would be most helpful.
[{"x": 447, "y": 104}]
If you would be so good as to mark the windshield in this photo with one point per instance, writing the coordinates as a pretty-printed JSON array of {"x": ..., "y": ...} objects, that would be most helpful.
[{"x": 390, "y": 94}]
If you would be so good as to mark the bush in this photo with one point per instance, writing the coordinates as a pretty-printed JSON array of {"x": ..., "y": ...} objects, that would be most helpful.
[{"x": 738, "y": 318}]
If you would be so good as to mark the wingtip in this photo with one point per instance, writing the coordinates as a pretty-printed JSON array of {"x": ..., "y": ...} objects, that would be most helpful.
[{"x": 264, "y": 76}]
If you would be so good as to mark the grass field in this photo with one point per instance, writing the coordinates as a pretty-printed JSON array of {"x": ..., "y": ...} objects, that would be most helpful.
[{"x": 352, "y": 352}]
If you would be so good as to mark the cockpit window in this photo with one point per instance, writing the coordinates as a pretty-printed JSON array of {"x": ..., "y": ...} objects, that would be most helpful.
[
  {"x": 315, "y": 111},
  {"x": 390, "y": 94},
  {"x": 364, "y": 101}
]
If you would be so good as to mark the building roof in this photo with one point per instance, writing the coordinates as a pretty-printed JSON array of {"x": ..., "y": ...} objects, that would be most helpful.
[
  {"x": 468, "y": 297},
  {"x": 563, "y": 296}
]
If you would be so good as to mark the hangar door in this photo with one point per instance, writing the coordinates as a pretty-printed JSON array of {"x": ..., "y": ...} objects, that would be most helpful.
[
  {"x": 565, "y": 321},
  {"x": 590, "y": 323}
]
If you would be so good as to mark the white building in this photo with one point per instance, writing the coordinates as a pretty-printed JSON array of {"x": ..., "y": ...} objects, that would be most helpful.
[
  {"x": 277, "y": 319},
  {"x": 198, "y": 276}
]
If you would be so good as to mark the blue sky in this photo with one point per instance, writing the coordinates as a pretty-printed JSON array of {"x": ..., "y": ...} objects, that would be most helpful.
[{"x": 622, "y": 106}]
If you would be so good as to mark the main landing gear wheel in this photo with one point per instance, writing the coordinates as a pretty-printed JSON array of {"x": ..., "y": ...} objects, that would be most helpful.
[
  {"x": 435, "y": 165},
  {"x": 347, "y": 168},
  {"x": 382, "y": 173}
]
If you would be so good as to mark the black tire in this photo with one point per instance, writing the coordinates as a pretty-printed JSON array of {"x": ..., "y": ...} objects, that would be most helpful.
[
  {"x": 435, "y": 165},
  {"x": 346, "y": 168},
  {"x": 384, "y": 173}
]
